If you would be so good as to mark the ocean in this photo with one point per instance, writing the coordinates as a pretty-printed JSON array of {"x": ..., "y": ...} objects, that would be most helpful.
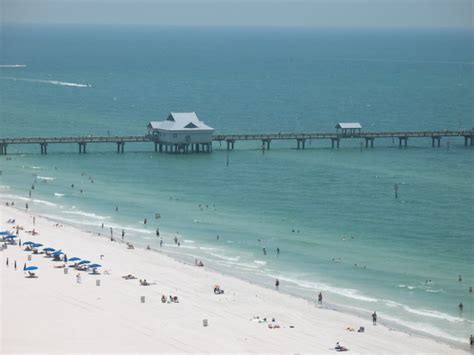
[{"x": 331, "y": 212}]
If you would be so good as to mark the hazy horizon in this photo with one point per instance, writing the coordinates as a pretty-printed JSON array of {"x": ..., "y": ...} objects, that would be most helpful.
[{"x": 244, "y": 13}]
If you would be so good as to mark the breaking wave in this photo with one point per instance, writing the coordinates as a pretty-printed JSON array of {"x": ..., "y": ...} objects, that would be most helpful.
[
  {"x": 12, "y": 65},
  {"x": 52, "y": 82}
]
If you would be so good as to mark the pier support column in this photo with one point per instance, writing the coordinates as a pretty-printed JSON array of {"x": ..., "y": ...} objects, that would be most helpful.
[
  {"x": 301, "y": 142},
  {"x": 367, "y": 140},
  {"x": 402, "y": 139},
  {"x": 3, "y": 149},
  {"x": 267, "y": 143},
  {"x": 433, "y": 139},
  {"x": 44, "y": 148},
  {"x": 156, "y": 147},
  {"x": 118, "y": 147},
  {"x": 160, "y": 147},
  {"x": 123, "y": 147},
  {"x": 82, "y": 148}
]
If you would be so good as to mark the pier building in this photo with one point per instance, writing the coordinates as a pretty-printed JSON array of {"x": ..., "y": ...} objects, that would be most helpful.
[{"x": 181, "y": 132}]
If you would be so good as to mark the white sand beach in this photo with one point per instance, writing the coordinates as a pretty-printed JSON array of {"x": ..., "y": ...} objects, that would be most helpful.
[{"x": 53, "y": 313}]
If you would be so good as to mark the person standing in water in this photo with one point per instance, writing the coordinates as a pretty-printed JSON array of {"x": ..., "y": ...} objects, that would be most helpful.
[
  {"x": 277, "y": 284},
  {"x": 123, "y": 234},
  {"x": 157, "y": 232},
  {"x": 264, "y": 251},
  {"x": 320, "y": 298},
  {"x": 144, "y": 221},
  {"x": 374, "y": 318},
  {"x": 278, "y": 251}
]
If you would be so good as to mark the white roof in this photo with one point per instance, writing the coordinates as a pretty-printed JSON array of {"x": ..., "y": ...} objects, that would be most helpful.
[
  {"x": 349, "y": 125},
  {"x": 181, "y": 121}
]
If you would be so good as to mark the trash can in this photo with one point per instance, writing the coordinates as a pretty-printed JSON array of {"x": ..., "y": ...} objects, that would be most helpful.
[
  {"x": 97, "y": 282},
  {"x": 66, "y": 270},
  {"x": 204, "y": 322},
  {"x": 29, "y": 257},
  {"x": 142, "y": 299}
]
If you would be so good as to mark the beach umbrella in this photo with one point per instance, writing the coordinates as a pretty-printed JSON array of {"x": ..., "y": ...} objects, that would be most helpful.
[
  {"x": 37, "y": 245},
  {"x": 94, "y": 266},
  {"x": 28, "y": 243},
  {"x": 11, "y": 236},
  {"x": 84, "y": 262},
  {"x": 49, "y": 249},
  {"x": 4, "y": 233},
  {"x": 75, "y": 259},
  {"x": 31, "y": 268},
  {"x": 59, "y": 252}
]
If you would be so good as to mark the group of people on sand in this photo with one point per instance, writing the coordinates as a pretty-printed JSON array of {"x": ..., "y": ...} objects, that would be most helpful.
[
  {"x": 272, "y": 325},
  {"x": 171, "y": 299}
]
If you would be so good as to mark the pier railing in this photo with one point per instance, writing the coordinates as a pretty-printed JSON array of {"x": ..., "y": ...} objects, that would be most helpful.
[{"x": 230, "y": 139}]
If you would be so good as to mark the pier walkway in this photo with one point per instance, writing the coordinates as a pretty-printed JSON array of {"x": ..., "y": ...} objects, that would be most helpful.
[{"x": 231, "y": 139}]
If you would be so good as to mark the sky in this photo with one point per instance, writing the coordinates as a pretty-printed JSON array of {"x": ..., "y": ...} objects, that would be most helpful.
[{"x": 272, "y": 13}]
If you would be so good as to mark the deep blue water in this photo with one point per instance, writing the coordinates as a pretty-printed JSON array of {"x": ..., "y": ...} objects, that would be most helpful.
[{"x": 340, "y": 203}]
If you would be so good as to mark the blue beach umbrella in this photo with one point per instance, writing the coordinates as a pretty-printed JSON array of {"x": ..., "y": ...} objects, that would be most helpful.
[
  {"x": 49, "y": 249},
  {"x": 11, "y": 236},
  {"x": 37, "y": 245},
  {"x": 59, "y": 252},
  {"x": 94, "y": 266},
  {"x": 75, "y": 259},
  {"x": 28, "y": 243},
  {"x": 84, "y": 262},
  {"x": 4, "y": 233},
  {"x": 31, "y": 268}
]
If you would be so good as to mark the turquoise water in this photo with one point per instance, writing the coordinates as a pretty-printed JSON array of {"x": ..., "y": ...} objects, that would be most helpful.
[{"x": 326, "y": 210}]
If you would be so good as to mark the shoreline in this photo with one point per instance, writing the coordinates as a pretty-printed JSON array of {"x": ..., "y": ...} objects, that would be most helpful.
[{"x": 336, "y": 318}]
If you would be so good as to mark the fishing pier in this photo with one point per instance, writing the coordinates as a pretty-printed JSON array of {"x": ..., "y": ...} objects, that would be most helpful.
[{"x": 300, "y": 139}]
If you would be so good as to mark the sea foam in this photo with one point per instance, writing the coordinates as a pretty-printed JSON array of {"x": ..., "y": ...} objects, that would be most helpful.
[{"x": 52, "y": 82}]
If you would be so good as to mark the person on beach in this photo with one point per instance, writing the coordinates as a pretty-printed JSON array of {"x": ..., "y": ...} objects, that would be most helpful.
[
  {"x": 15, "y": 265},
  {"x": 374, "y": 318},
  {"x": 157, "y": 232},
  {"x": 111, "y": 232},
  {"x": 26, "y": 205},
  {"x": 72, "y": 185},
  {"x": 470, "y": 289},
  {"x": 175, "y": 240},
  {"x": 460, "y": 278},
  {"x": 7, "y": 261},
  {"x": 78, "y": 278},
  {"x": 116, "y": 208},
  {"x": 278, "y": 251},
  {"x": 217, "y": 237},
  {"x": 461, "y": 307},
  {"x": 320, "y": 298},
  {"x": 34, "y": 220},
  {"x": 264, "y": 251},
  {"x": 161, "y": 243},
  {"x": 144, "y": 221},
  {"x": 277, "y": 284},
  {"x": 29, "y": 193},
  {"x": 102, "y": 226},
  {"x": 123, "y": 234}
]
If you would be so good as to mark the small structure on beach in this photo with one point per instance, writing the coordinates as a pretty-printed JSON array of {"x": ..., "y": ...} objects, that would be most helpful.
[
  {"x": 181, "y": 132},
  {"x": 349, "y": 128}
]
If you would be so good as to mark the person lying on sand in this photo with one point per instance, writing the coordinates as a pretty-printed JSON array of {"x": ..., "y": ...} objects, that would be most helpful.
[
  {"x": 31, "y": 275},
  {"x": 144, "y": 282},
  {"x": 60, "y": 266},
  {"x": 339, "y": 347},
  {"x": 218, "y": 290},
  {"x": 130, "y": 246},
  {"x": 129, "y": 277},
  {"x": 163, "y": 299}
]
